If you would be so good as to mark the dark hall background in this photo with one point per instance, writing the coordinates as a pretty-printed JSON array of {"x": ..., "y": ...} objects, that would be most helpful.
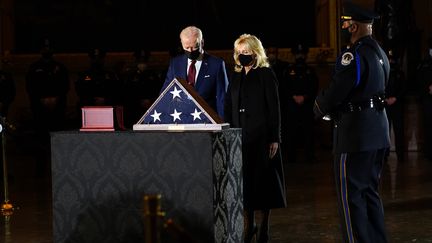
[
  {"x": 73, "y": 27},
  {"x": 122, "y": 25}
]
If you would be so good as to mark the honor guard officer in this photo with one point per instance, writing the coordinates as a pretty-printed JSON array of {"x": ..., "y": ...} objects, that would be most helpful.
[
  {"x": 355, "y": 100},
  {"x": 7, "y": 90},
  {"x": 96, "y": 85},
  {"x": 7, "y": 95},
  {"x": 141, "y": 86},
  {"x": 47, "y": 85},
  {"x": 300, "y": 91}
]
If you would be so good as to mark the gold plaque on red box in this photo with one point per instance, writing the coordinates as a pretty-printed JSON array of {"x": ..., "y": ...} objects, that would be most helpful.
[{"x": 97, "y": 118}]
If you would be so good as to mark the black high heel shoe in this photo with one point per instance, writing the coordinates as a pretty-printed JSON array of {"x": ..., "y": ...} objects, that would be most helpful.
[{"x": 250, "y": 234}]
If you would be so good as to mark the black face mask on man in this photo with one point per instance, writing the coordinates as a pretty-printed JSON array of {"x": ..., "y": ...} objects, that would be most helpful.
[
  {"x": 345, "y": 36},
  {"x": 193, "y": 55},
  {"x": 345, "y": 33},
  {"x": 245, "y": 60}
]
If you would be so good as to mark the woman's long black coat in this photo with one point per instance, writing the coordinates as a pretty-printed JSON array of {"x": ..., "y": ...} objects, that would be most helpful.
[{"x": 252, "y": 103}]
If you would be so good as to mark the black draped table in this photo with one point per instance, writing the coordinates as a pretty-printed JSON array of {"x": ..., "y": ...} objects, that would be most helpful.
[{"x": 99, "y": 180}]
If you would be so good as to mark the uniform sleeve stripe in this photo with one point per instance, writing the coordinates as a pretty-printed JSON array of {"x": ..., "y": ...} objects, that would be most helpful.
[{"x": 357, "y": 58}]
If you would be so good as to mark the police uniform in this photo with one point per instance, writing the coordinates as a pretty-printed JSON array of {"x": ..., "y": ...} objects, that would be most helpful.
[
  {"x": 47, "y": 84},
  {"x": 97, "y": 85},
  {"x": 424, "y": 72},
  {"x": 354, "y": 99},
  {"x": 141, "y": 86},
  {"x": 7, "y": 95},
  {"x": 7, "y": 92},
  {"x": 302, "y": 81}
]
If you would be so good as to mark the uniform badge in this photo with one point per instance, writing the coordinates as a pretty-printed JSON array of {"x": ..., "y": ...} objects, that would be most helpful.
[{"x": 346, "y": 59}]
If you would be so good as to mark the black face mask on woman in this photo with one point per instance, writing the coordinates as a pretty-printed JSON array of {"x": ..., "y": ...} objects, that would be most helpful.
[
  {"x": 245, "y": 60},
  {"x": 193, "y": 55}
]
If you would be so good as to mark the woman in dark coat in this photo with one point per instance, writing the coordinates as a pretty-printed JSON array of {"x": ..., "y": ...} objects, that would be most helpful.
[{"x": 252, "y": 103}]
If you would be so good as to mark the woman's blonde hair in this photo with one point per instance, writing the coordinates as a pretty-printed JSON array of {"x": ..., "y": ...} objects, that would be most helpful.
[{"x": 253, "y": 44}]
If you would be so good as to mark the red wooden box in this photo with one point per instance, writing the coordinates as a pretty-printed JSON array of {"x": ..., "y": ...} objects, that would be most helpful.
[{"x": 97, "y": 118}]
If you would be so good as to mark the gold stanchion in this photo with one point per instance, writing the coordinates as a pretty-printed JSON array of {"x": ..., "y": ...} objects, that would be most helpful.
[
  {"x": 152, "y": 218},
  {"x": 7, "y": 236},
  {"x": 6, "y": 208}
]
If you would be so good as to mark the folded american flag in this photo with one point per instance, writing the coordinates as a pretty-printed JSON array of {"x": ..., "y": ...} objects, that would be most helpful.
[{"x": 179, "y": 103}]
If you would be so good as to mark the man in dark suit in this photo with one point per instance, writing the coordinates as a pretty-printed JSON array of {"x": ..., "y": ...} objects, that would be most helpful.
[
  {"x": 207, "y": 74},
  {"x": 355, "y": 97}
]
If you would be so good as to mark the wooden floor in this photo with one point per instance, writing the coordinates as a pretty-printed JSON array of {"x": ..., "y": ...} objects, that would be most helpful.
[{"x": 311, "y": 214}]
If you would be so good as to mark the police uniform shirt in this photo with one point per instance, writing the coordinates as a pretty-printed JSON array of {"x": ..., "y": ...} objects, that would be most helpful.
[
  {"x": 360, "y": 73},
  {"x": 96, "y": 83},
  {"x": 47, "y": 78}
]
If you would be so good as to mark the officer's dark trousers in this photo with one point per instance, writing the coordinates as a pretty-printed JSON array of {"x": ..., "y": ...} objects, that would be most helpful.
[{"x": 357, "y": 180}]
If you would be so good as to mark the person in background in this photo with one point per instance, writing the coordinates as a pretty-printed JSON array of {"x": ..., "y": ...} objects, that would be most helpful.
[
  {"x": 141, "y": 86},
  {"x": 47, "y": 85},
  {"x": 280, "y": 68},
  {"x": 205, "y": 72},
  {"x": 394, "y": 102},
  {"x": 301, "y": 90},
  {"x": 252, "y": 103},
  {"x": 7, "y": 96},
  {"x": 7, "y": 90},
  {"x": 354, "y": 100},
  {"x": 97, "y": 86},
  {"x": 424, "y": 77}
]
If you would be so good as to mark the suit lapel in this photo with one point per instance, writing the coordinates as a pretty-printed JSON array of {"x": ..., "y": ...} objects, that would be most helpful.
[
  {"x": 183, "y": 67},
  {"x": 202, "y": 72}
]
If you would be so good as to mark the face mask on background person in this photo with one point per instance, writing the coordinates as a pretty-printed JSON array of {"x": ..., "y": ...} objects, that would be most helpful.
[
  {"x": 142, "y": 66},
  {"x": 245, "y": 60}
]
